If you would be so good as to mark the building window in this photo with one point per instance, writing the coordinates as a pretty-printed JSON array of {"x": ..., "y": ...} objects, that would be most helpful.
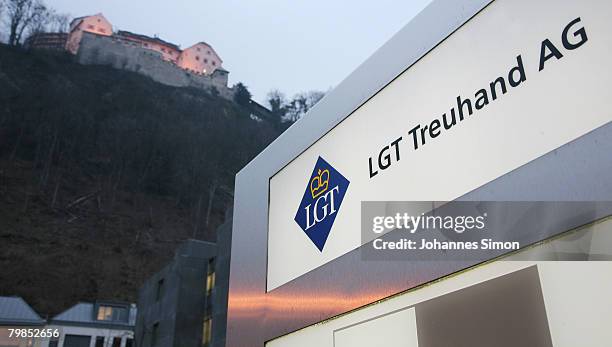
[
  {"x": 160, "y": 290},
  {"x": 99, "y": 341},
  {"x": 101, "y": 30},
  {"x": 214, "y": 63},
  {"x": 112, "y": 313},
  {"x": 208, "y": 52},
  {"x": 207, "y": 332},
  {"x": 163, "y": 50},
  {"x": 210, "y": 278},
  {"x": 155, "y": 334},
  {"x": 197, "y": 57},
  {"x": 91, "y": 27},
  {"x": 198, "y": 49},
  {"x": 129, "y": 342},
  {"x": 206, "y": 61},
  {"x": 117, "y": 342}
]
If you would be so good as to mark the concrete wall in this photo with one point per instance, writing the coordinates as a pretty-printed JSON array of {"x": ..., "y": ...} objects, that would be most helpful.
[
  {"x": 221, "y": 290},
  {"x": 102, "y": 50},
  {"x": 180, "y": 309}
]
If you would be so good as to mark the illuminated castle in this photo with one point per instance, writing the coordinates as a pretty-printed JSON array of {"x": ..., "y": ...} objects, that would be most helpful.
[
  {"x": 92, "y": 40},
  {"x": 200, "y": 58}
]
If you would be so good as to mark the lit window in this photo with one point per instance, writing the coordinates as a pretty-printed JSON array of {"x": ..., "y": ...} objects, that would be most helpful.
[
  {"x": 210, "y": 278},
  {"x": 207, "y": 331},
  {"x": 112, "y": 313}
]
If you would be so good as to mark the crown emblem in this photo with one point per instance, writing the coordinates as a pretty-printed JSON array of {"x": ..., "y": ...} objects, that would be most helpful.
[{"x": 319, "y": 183}]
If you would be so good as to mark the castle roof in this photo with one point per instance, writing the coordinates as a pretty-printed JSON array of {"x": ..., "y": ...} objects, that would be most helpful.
[
  {"x": 80, "y": 19},
  {"x": 211, "y": 47},
  {"x": 148, "y": 38}
]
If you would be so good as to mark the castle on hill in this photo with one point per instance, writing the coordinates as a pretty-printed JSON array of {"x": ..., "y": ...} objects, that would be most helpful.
[{"x": 94, "y": 42}]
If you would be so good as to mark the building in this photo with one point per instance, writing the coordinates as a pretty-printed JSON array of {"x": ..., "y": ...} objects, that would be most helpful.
[
  {"x": 200, "y": 58},
  {"x": 96, "y": 24},
  {"x": 185, "y": 304},
  {"x": 93, "y": 42},
  {"x": 98, "y": 324},
  {"x": 16, "y": 313},
  {"x": 49, "y": 41},
  {"x": 168, "y": 51},
  {"x": 176, "y": 303}
]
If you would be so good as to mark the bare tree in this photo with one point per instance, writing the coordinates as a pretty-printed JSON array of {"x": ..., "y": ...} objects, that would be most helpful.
[
  {"x": 59, "y": 22},
  {"x": 277, "y": 102},
  {"x": 23, "y": 16},
  {"x": 301, "y": 104}
]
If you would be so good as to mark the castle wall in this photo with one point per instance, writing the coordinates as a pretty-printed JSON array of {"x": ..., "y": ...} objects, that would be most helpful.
[{"x": 103, "y": 50}]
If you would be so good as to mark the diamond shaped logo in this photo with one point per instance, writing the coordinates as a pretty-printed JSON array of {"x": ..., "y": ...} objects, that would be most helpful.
[{"x": 321, "y": 202}]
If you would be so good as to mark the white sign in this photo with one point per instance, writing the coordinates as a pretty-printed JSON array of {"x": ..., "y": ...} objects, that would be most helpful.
[{"x": 518, "y": 80}]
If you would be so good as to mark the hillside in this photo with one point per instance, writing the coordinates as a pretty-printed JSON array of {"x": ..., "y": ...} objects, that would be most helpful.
[{"x": 103, "y": 172}]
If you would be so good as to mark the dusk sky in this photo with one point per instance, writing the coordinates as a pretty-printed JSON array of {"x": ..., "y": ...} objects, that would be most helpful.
[{"x": 292, "y": 46}]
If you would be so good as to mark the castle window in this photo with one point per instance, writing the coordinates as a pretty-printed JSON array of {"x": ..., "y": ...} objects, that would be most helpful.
[{"x": 207, "y": 332}]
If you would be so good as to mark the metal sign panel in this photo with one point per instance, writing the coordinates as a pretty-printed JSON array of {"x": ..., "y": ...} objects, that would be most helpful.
[
  {"x": 487, "y": 100},
  {"x": 281, "y": 281}
]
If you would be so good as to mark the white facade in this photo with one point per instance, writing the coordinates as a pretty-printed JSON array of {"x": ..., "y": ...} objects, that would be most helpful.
[
  {"x": 110, "y": 335},
  {"x": 200, "y": 58}
]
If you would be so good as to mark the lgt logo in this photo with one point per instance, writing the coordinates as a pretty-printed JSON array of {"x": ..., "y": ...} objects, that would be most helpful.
[{"x": 321, "y": 202}]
